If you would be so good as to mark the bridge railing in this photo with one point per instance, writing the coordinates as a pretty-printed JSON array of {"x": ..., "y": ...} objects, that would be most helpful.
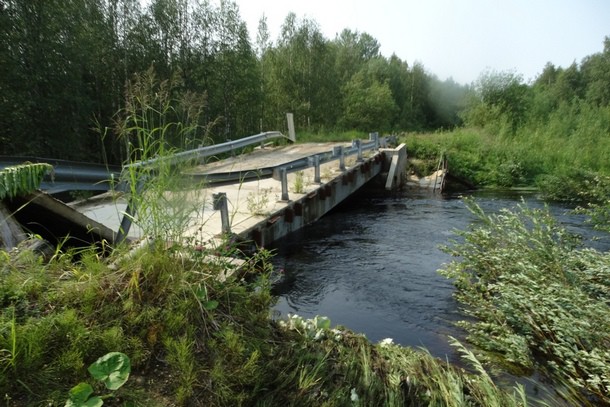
[
  {"x": 337, "y": 153},
  {"x": 280, "y": 173}
]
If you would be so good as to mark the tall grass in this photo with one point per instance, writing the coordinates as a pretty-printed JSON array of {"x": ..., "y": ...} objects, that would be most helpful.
[
  {"x": 156, "y": 122},
  {"x": 572, "y": 143}
]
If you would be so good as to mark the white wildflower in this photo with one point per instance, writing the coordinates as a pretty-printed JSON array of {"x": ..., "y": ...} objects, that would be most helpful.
[
  {"x": 386, "y": 342},
  {"x": 354, "y": 396}
]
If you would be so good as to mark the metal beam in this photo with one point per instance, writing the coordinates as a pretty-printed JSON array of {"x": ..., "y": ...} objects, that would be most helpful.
[{"x": 197, "y": 155}]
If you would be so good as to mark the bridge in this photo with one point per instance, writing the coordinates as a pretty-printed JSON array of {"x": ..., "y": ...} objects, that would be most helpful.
[{"x": 257, "y": 197}]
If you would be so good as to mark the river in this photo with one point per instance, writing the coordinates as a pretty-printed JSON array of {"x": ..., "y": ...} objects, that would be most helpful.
[{"x": 371, "y": 265}]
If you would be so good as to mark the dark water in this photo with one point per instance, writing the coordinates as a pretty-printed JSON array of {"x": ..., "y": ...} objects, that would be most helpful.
[{"x": 372, "y": 266}]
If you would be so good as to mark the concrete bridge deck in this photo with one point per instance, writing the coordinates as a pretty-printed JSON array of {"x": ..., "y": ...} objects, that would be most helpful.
[{"x": 255, "y": 207}]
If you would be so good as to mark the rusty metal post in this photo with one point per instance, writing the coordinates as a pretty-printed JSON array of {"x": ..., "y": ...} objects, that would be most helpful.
[{"x": 221, "y": 204}]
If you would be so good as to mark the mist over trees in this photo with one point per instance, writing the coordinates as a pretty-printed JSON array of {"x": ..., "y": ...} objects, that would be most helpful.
[{"x": 65, "y": 67}]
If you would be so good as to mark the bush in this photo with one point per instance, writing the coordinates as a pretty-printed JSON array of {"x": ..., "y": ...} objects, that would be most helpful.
[{"x": 536, "y": 299}]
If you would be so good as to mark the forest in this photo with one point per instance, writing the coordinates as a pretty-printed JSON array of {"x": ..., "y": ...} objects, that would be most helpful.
[
  {"x": 69, "y": 68},
  {"x": 65, "y": 68}
]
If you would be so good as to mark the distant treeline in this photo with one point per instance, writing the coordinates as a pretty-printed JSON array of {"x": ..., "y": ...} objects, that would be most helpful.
[{"x": 65, "y": 67}]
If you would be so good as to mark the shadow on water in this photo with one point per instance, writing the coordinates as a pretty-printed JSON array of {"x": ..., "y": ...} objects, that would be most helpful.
[{"x": 371, "y": 265}]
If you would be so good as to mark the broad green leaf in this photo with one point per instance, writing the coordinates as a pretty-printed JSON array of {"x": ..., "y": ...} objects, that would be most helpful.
[
  {"x": 210, "y": 305},
  {"x": 112, "y": 369},
  {"x": 80, "y": 393},
  {"x": 79, "y": 397}
]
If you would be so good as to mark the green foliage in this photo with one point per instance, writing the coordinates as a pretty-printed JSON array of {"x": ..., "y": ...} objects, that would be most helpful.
[
  {"x": 22, "y": 179},
  {"x": 80, "y": 396},
  {"x": 595, "y": 194},
  {"x": 78, "y": 84},
  {"x": 552, "y": 133},
  {"x": 369, "y": 104},
  {"x": 156, "y": 121},
  {"x": 501, "y": 96},
  {"x": 536, "y": 300},
  {"x": 195, "y": 338},
  {"x": 112, "y": 369},
  {"x": 299, "y": 182}
]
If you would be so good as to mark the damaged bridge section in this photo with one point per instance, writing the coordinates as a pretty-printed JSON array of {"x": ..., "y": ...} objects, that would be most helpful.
[{"x": 293, "y": 185}]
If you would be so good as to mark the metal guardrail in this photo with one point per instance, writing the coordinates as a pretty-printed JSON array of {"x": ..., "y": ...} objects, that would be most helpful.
[
  {"x": 197, "y": 155},
  {"x": 74, "y": 175},
  {"x": 338, "y": 153}
]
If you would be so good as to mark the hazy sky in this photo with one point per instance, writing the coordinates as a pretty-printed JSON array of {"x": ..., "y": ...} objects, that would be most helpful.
[{"x": 457, "y": 38}]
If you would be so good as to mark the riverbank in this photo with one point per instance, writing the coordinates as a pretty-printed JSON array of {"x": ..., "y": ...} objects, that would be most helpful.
[
  {"x": 195, "y": 340},
  {"x": 196, "y": 337}
]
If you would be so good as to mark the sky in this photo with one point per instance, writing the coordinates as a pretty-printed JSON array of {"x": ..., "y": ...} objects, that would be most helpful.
[{"x": 456, "y": 38}]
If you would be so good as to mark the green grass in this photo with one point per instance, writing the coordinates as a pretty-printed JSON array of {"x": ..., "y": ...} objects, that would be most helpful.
[
  {"x": 561, "y": 169},
  {"x": 194, "y": 340}
]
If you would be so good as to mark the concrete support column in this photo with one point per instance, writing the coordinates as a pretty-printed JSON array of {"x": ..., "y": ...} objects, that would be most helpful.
[{"x": 221, "y": 204}]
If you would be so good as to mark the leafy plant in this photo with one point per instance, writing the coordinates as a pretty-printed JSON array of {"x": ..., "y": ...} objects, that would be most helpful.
[
  {"x": 22, "y": 179},
  {"x": 535, "y": 299},
  {"x": 257, "y": 202},
  {"x": 111, "y": 369}
]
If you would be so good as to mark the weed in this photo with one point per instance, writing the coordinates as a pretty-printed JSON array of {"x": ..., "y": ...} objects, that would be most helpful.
[
  {"x": 153, "y": 124},
  {"x": 535, "y": 297},
  {"x": 111, "y": 369},
  {"x": 258, "y": 202},
  {"x": 299, "y": 183}
]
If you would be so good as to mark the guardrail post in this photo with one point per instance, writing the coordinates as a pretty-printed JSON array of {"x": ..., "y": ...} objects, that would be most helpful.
[
  {"x": 358, "y": 144},
  {"x": 316, "y": 165},
  {"x": 338, "y": 151},
  {"x": 374, "y": 137},
  {"x": 220, "y": 204},
  {"x": 284, "y": 179}
]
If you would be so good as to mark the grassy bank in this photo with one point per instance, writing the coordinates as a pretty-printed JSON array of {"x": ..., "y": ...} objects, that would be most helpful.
[
  {"x": 537, "y": 300},
  {"x": 562, "y": 168},
  {"x": 196, "y": 340}
]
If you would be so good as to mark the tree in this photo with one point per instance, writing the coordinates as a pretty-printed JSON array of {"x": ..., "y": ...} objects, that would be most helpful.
[
  {"x": 301, "y": 73},
  {"x": 369, "y": 105},
  {"x": 501, "y": 97},
  {"x": 596, "y": 76}
]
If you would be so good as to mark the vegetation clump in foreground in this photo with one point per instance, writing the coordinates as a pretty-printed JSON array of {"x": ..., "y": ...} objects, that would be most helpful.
[
  {"x": 537, "y": 300},
  {"x": 193, "y": 339}
]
